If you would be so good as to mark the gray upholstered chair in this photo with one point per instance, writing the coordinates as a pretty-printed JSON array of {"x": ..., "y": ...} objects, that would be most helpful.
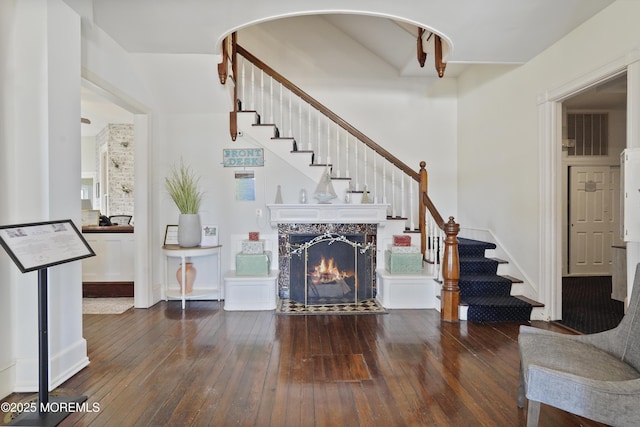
[{"x": 595, "y": 376}]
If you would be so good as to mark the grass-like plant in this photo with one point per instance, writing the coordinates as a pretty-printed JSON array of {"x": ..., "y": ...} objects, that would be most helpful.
[{"x": 182, "y": 186}]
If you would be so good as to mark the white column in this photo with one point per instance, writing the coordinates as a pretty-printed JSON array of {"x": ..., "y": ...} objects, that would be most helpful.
[{"x": 45, "y": 161}]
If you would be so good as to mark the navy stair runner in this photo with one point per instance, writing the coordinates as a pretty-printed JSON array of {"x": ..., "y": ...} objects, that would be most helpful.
[{"x": 487, "y": 294}]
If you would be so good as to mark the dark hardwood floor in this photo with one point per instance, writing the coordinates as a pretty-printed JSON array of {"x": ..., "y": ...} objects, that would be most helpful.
[{"x": 205, "y": 366}]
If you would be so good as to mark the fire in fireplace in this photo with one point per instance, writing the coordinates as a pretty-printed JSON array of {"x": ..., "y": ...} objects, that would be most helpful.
[{"x": 330, "y": 268}]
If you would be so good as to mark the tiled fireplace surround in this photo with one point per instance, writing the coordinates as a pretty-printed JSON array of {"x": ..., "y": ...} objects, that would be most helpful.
[{"x": 319, "y": 219}]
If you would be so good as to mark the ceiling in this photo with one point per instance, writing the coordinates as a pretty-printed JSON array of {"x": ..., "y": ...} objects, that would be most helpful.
[
  {"x": 100, "y": 111},
  {"x": 476, "y": 32}
]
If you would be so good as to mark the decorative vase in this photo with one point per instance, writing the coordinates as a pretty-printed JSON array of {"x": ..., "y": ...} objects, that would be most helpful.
[
  {"x": 189, "y": 277},
  {"x": 189, "y": 230}
]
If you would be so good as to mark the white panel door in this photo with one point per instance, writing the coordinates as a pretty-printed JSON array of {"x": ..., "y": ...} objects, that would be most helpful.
[{"x": 593, "y": 218}]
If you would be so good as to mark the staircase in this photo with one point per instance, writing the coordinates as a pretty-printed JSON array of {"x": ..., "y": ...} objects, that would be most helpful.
[
  {"x": 485, "y": 294},
  {"x": 292, "y": 124}
]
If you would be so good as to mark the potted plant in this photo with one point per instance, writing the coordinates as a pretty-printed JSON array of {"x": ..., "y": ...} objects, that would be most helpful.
[{"x": 182, "y": 186}]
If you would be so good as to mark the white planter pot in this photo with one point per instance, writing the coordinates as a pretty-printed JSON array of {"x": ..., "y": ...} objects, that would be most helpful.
[{"x": 189, "y": 230}]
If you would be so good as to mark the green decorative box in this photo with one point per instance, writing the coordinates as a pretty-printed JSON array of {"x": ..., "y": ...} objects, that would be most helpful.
[
  {"x": 253, "y": 264},
  {"x": 407, "y": 263}
]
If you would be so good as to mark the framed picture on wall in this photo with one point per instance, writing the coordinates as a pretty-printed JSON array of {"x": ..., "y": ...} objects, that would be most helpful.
[{"x": 209, "y": 235}]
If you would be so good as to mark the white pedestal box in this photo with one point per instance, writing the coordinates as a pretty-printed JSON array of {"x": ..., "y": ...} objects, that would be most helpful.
[
  {"x": 407, "y": 290},
  {"x": 249, "y": 293}
]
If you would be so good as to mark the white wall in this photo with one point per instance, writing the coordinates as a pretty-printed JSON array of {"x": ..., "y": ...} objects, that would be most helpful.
[
  {"x": 499, "y": 162},
  {"x": 7, "y": 371},
  {"x": 43, "y": 155}
]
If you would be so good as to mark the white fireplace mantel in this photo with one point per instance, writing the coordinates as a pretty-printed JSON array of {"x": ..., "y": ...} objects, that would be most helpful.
[{"x": 328, "y": 213}]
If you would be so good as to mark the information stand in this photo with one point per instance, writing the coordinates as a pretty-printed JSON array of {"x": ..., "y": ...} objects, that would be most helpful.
[{"x": 38, "y": 246}]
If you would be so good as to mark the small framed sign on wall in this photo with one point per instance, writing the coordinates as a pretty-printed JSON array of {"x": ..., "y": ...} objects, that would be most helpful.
[
  {"x": 243, "y": 157},
  {"x": 245, "y": 186}
]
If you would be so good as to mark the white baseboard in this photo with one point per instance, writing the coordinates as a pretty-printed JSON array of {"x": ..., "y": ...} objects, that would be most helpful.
[
  {"x": 7, "y": 379},
  {"x": 62, "y": 366}
]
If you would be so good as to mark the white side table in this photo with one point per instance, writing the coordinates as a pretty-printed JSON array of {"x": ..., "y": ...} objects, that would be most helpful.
[{"x": 183, "y": 253}]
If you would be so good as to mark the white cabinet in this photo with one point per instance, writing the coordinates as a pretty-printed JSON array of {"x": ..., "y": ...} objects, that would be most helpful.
[
  {"x": 630, "y": 161},
  {"x": 114, "y": 260}
]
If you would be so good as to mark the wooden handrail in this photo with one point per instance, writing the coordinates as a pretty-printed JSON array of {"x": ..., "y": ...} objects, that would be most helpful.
[{"x": 328, "y": 113}]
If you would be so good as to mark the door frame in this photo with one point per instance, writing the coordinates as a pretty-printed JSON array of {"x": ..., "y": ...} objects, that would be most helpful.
[
  {"x": 551, "y": 170},
  {"x": 144, "y": 295}
]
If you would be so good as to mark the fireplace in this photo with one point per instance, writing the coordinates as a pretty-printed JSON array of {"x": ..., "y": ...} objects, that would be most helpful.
[{"x": 327, "y": 264}]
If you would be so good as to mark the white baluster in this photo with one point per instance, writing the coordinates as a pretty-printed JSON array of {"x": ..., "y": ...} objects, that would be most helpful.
[
  {"x": 262, "y": 93},
  {"x": 384, "y": 182},
  {"x": 441, "y": 252},
  {"x": 338, "y": 151},
  {"x": 328, "y": 141},
  {"x": 375, "y": 177},
  {"x": 356, "y": 143},
  {"x": 365, "y": 166},
  {"x": 319, "y": 139},
  {"x": 393, "y": 193},
  {"x": 434, "y": 239},
  {"x": 253, "y": 88},
  {"x": 309, "y": 122},
  {"x": 412, "y": 224},
  {"x": 346, "y": 142},
  {"x": 281, "y": 125},
  {"x": 403, "y": 210},
  {"x": 271, "y": 120}
]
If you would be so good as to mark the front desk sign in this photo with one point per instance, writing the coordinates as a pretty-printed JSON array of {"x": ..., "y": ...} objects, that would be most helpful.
[{"x": 241, "y": 157}]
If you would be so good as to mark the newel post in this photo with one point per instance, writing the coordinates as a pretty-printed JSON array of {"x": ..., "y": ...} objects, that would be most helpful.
[
  {"x": 450, "y": 295},
  {"x": 422, "y": 208}
]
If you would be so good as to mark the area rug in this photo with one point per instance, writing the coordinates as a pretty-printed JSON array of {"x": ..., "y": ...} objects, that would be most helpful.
[
  {"x": 106, "y": 305},
  {"x": 587, "y": 305},
  {"x": 369, "y": 306}
]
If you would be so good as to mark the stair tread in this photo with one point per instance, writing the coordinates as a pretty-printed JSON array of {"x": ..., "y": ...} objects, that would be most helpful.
[
  {"x": 529, "y": 300},
  {"x": 520, "y": 297},
  {"x": 500, "y": 301},
  {"x": 483, "y": 278},
  {"x": 475, "y": 243},
  {"x": 513, "y": 279},
  {"x": 477, "y": 259}
]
